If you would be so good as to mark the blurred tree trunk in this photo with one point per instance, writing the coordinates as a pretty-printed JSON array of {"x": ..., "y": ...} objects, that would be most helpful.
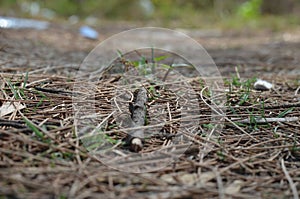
[
  {"x": 224, "y": 8},
  {"x": 278, "y": 7}
]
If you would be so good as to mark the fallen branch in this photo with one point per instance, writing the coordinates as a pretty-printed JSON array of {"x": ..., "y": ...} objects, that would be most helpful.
[{"x": 138, "y": 113}]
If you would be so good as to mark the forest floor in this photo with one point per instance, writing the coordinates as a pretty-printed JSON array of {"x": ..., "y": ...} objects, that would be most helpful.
[{"x": 256, "y": 154}]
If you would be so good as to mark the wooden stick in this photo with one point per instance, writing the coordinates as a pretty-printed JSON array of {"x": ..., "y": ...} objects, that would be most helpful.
[{"x": 138, "y": 114}]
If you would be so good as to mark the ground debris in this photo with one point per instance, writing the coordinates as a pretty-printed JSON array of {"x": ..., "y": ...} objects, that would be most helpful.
[{"x": 42, "y": 158}]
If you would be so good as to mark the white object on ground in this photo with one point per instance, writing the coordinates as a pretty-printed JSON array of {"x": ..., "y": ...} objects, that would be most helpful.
[
  {"x": 17, "y": 23},
  {"x": 262, "y": 85},
  {"x": 88, "y": 32}
]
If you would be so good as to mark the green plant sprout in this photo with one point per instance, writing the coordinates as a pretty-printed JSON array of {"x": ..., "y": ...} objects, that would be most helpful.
[
  {"x": 14, "y": 90},
  {"x": 62, "y": 155},
  {"x": 284, "y": 113},
  {"x": 32, "y": 127},
  {"x": 263, "y": 113},
  {"x": 221, "y": 155},
  {"x": 143, "y": 64},
  {"x": 24, "y": 86},
  {"x": 43, "y": 97},
  {"x": 244, "y": 88},
  {"x": 18, "y": 91},
  {"x": 208, "y": 126},
  {"x": 97, "y": 138}
]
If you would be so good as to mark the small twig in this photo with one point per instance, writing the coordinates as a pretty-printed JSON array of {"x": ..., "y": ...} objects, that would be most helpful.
[
  {"x": 279, "y": 106},
  {"x": 56, "y": 91},
  {"x": 268, "y": 120},
  {"x": 240, "y": 161},
  {"x": 220, "y": 184},
  {"x": 290, "y": 180},
  {"x": 297, "y": 90},
  {"x": 297, "y": 104},
  {"x": 116, "y": 103},
  {"x": 168, "y": 71},
  {"x": 170, "y": 115},
  {"x": 103, "y": 121},
  {"x": 11, "y": 123}
]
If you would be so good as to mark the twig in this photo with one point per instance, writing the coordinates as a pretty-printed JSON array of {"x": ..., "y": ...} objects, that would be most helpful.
[
  {"x": 219, "y": 183},
  {"x": 56, "y": 91},
  {"x": 290, "y": 180},
  {"x": 279, "y": 106},
  {"x": 138, "y": 114},
  {"x": 11, "y": 123},
  {"x": 267, "y": 120},
  {"x": 297, "y": 104},
  {"x": 297, "y": 90}
]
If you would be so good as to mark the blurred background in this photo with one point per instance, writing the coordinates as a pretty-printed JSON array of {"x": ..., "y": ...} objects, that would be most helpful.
[{"x": 206, "y": 14}]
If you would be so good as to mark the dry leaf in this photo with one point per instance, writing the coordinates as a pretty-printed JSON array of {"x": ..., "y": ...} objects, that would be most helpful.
[
  {"x": 234, "y": 187},
  {"x": 204, "y": 178},
  {"x": 168, "y": 179},
  {"x": 10, "y": 107},
  {"x": 188, "y": 178},
  {"x": 207, "y": 176}
]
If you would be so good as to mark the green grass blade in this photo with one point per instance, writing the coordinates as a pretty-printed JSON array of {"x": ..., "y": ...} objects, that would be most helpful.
[
  {"x": 284, "y": 113},
  {"x": 160, "y": 58},
  {"x": 25, "y": 80},
  {"x": 13, "y": 89},
  {"x": 31, "y": 126}
]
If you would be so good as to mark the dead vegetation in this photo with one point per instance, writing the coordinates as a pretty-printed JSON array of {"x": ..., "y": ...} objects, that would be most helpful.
[
  {"x": 254, "y": 155},
  {"x": 41, "y": 157}
]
